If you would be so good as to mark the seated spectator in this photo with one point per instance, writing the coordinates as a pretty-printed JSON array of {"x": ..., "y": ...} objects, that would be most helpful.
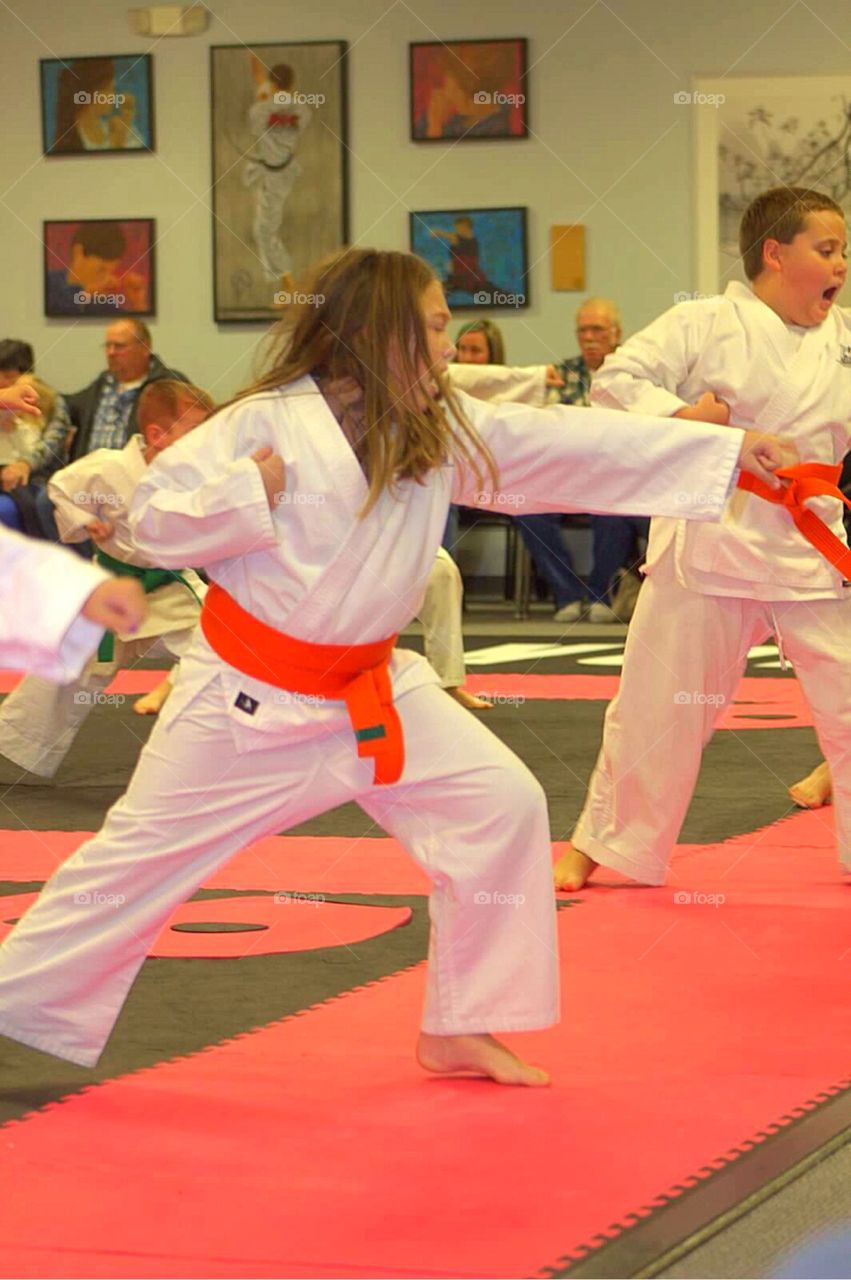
[
  {"x": 480, "y": 342},
  {"x": 104, "y": 413},
  {"x": 31, "y": 447},
  {"x": 615, "y": 539}
]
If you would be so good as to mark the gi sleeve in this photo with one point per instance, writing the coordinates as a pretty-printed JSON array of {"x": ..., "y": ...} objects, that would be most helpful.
[
  {"x": 75, "y": 497},
  {"x": 497, "y": 382},
  {"x": 200, "y": 502},
  {"x": 42, "y": 590},
  {"x": 567, "y": 458},
  {"x": 645, "y": 373}
]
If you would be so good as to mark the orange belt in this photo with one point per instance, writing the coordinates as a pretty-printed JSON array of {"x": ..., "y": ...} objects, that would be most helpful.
[
  {"x": 807, "y": 480},
  {"x": 357, "y": 674}
]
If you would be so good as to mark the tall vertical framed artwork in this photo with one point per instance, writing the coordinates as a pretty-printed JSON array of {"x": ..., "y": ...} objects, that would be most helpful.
[
  {"x": 99, "y": 105},
  {"x": 280, "y": 183},
  {"x": 468, "y": 90},
  {"x": 753, "y": 133}
]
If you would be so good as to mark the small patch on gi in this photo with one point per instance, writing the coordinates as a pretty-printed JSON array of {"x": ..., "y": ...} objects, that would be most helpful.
[{"x": 246, "y": 703}]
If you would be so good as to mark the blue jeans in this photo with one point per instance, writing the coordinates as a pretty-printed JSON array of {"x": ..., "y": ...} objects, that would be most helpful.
[
  {"x": 9, "y": 516},
  {"x": 542, "y": 535},
  {"x": 615, "y": 543},
  {"x": 452, "y": 532}
]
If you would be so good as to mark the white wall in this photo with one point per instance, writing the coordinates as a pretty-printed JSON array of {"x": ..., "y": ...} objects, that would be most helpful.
[{"x": 608, "y": 149}]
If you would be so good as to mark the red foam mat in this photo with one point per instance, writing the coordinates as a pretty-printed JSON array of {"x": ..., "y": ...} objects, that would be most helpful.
[
  {"x": 375, "y": 865},
  {"x": 696, "y": 1018},
  {"x": 761, "y": 701}
]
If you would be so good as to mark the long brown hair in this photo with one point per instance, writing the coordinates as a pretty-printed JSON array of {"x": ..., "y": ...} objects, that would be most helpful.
[{"x": 357, "y": 316}]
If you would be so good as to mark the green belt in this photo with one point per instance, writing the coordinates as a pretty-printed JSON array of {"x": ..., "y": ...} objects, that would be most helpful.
[{"x": 150, "y": 579}]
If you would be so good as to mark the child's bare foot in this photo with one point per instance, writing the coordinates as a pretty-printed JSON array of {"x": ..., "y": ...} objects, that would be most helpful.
[
  {"x": 469, "y": 700},
  {"x": 573, "y": 869},
  {"x": 480, "y": 1055},
  {"x": 152, "y": 703},
  {"x": 814, "y": 790}
]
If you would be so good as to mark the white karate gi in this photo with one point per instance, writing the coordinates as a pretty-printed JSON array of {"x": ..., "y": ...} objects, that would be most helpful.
[
  {"x": 42, "y": 590},
  {"x": 501, "y": 383},
  {"x": 221, "y": 770},
  {"x": 40, "y": 719},
  {"x": 713, "y": 591},
  {"x": 440, "y": 614}
]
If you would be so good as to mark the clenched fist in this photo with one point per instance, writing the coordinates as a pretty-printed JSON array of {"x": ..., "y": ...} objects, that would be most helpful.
[
  {"x": 273, "y": 473},
  {"x": 707, "y": 409},
  {"x": 116, "y": 605}
]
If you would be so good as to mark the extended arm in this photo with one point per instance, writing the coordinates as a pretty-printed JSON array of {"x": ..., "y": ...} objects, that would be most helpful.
[
  {"x": 42, "y": 592},
  {"x": 566, "y": 458},
  {"x": 500, "y": 382}
]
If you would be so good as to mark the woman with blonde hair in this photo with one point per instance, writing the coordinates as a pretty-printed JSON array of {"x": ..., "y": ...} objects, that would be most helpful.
[{"x": 316, "y": 501}]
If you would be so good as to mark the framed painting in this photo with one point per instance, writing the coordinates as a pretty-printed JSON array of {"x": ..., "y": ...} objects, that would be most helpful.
[
  {"x": 99, "y": 267},
  {"x": 756, "y": 133},
  {"x": 97, "y": 106},
  {"x": 471, "y": 90},
  {"x": 280, "y": 189},
  {"x": 481, "y": 255}
]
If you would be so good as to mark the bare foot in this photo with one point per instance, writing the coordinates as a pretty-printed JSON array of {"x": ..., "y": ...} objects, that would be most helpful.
[
  {"x": 480, "y": 1055},
  {"x": 814, "y": 790},
  {"x": 573, "y": 869},
  {"x": 469, "y": 700},
  {"x": 152, "y": 703}
]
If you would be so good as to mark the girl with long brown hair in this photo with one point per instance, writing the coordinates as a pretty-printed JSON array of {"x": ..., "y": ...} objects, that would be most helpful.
[{"x": 316, "y": 502}]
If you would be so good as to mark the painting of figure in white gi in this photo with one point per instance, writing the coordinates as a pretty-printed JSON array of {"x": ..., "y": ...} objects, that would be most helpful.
[
  {"x": 279, "y": 168},
  {"x": 277, "y": 118}
]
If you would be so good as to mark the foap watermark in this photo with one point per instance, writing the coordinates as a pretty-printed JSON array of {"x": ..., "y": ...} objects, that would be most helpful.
[
  {"x": 295, "y": 98},
  {"x": 98, "y": 699},
  {"x": 696, "y": 499},
  {"x": 684, "y": 99},
  {"x": 299, "y": 899},
  {"x": 99, "y": 899},
  {"x": 286, "y": 698},
  {"x": 685, "y": 897},
  {"x": 683, "y": 296},
  {"x": 486, "y": 899},
  {"x": 496, "y": 298},
  {"x": 84, "y": 99},
  {"x": 83, "y": 298},
  {"x": 697, "y": 699},
  {"x": 487, "y": 499},
  {"x": 299, "y": 498},
  {"x": 98, "y": 500},
  {"x": 295, "y": 298},
  {"x": 498, "y": 99},
  {"x": 503, "y": 699}
]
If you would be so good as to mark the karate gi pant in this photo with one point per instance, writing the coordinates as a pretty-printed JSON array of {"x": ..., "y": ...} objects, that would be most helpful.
[
  {"x": 39, "y": 719},
  {"x": 440, "y": 614},
  {"x": 467, "y": 810},
  {"x": 684, "y": 656}
]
